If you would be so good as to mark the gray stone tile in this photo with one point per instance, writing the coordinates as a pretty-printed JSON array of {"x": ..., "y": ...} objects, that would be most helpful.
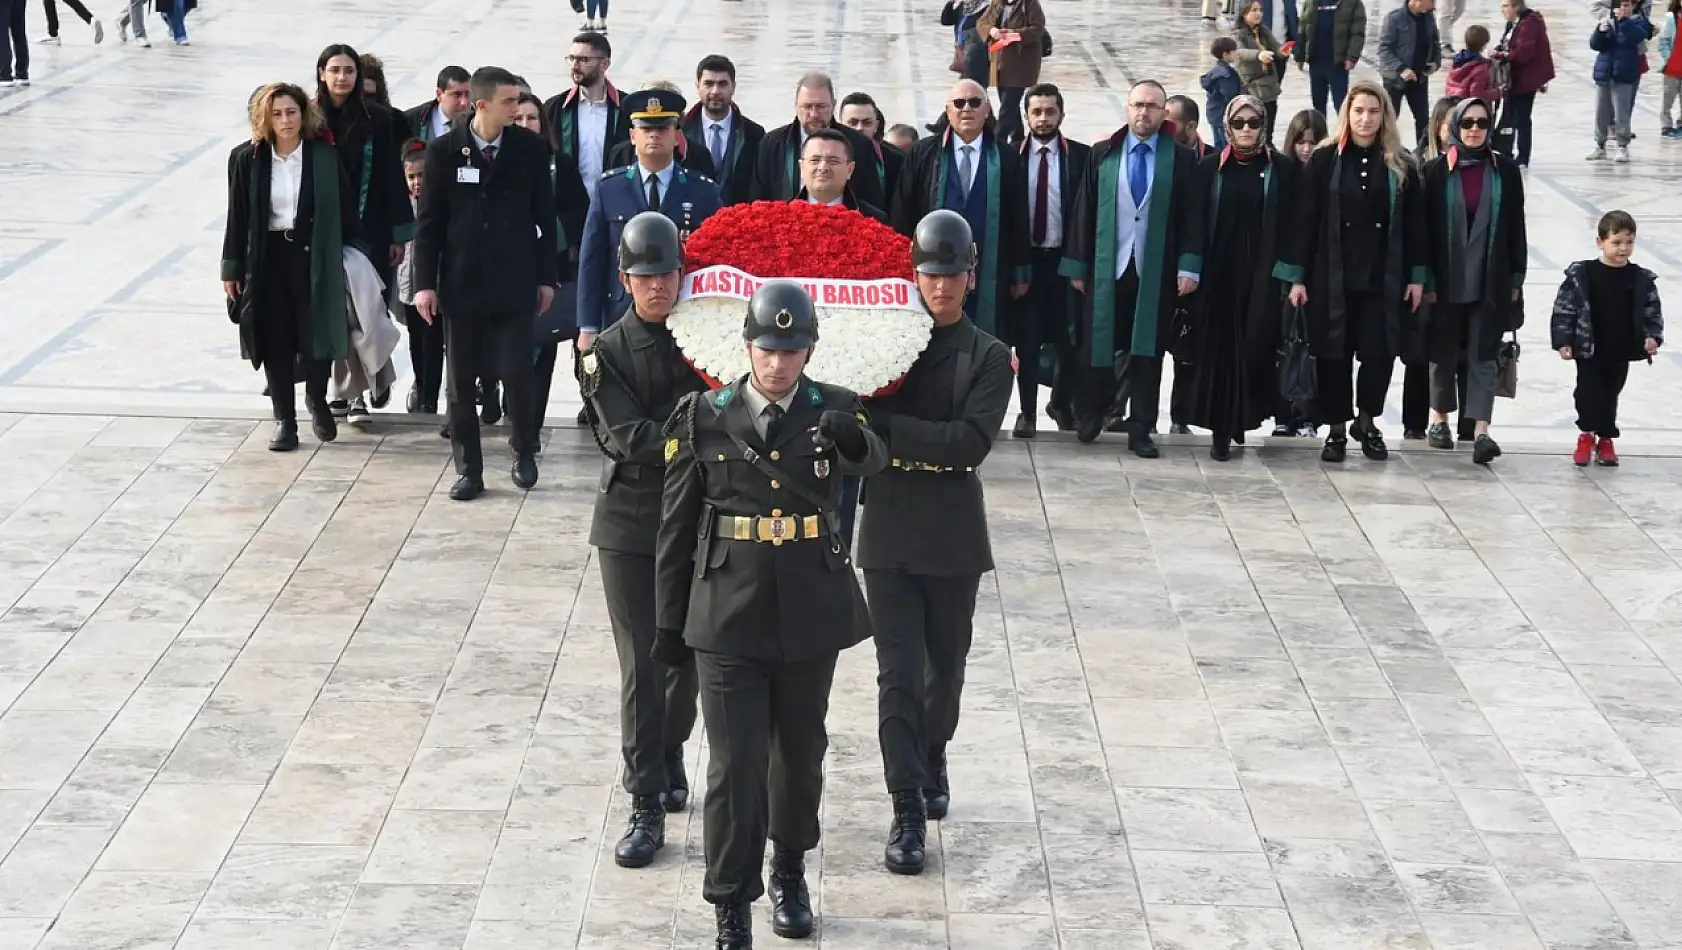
[
  {"x": 434, "y": 847},
  {"x": 1456, "y": 889},
  {"x": 1188, "y": 820},
  {"x": 284, "y": 882},
  {"x": 323, "y": 804},
  {"x": 241, "y": 748},
  {"x": 994, "y": 868},
  {"x": 180, "y": 828},
  {"x": 22, "y": 933},
  {"x": 1001, "y": 932},
  {"x": 1506, "y": 810},
  {"x": 521, "y": 934},
  {"x": 1194, "y": 927},
  {"x": 1092, "y": 883},
  {"x": 1427, "y": 832},
  {"x": 258, "y": 935},
  {"x": 1206, "y": 877},
  {"x": 1621, "y": 818},
  {"x": 407, "y": 916},
  {"x": 1472, "y": 932},
  {"x": 480, "y": 778},
  {"x": 45, "y": 866},
  {"x": 127, "y": 909}
]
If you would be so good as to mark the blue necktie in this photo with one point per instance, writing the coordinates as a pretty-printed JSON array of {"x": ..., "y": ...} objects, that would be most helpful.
[{"x": 1137, "y": 182}]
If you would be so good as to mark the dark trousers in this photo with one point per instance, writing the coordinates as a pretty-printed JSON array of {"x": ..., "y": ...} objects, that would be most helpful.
[
  {"x": 11, "y": 25},
  {"x": 75, "y": 7},
  {"x": 1010, "y": 114},
  {"x": 494, "y": 347},
  {"x": 1344, "y": 393},
  {"x": 1180, "y": 394},
  {"x": 766, "y": 736},
  {"x": 426, "y": 355},
  {"x": 1515, "y": 116},
  {"x": 1416, "y": 395},
  {"x": 848, "y": 513},
  {"x": 1045, "y": 319},
  {"x": 1272, "y": 109},
  {"x": 1417, "y": 95},
  {"x": 924, "y": 626},
  {"x": 1132, "y": 387},
  {"x": 656, "y": 702},
  {"x": 1599, "y": 384},
  {"x": 1323, "y": 80},
  {"x": 543, "y": 381},
  {"x": 283, "y": 328}
]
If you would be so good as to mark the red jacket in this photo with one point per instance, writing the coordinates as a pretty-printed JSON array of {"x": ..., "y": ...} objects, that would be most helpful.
[
  {"x": 1526, "y": 47},
  {"x": 1470, "y": 77}
]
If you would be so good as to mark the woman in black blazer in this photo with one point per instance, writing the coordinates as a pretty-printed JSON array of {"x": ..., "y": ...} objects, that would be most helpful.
[{"x": 290, "y": 214}]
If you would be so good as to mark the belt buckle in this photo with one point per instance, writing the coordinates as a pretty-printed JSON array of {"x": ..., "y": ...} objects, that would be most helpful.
[
  {"x": 774, "y": 529},
  {"x": 287, "y": 234}
]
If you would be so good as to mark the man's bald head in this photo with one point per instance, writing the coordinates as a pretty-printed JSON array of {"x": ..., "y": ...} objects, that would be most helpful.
[{"x": 967, "y": 108}]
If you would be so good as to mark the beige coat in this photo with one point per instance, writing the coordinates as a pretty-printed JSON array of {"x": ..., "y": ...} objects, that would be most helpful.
[
  {"x": 1261, "y": 81},
  {"x": 1017, "y": 66}
]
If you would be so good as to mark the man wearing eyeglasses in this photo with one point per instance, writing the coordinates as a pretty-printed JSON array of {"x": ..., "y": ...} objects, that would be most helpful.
[
  {"x": 776, "y": 174},
  {"x": 826, "y": 168},
  {"x": 965, "y": 169},
  {"x": 1133, "y": 250},
  {"x": 587, "y": 119}
]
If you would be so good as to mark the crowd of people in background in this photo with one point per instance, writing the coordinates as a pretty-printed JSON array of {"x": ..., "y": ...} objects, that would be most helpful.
[{"x": 14, "y": 29}]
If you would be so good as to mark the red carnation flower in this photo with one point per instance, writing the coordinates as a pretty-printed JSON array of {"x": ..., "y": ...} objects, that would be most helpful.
[{"x": 799, "y": 239}]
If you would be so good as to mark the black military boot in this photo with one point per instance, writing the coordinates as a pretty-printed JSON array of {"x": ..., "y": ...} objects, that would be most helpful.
[
  {"x": 904, "y": 854},
  {"x": 791, "y": 904},
  {"x": 645, "y": 834},
  {"x": 938, "y": 799},
  {"x": 735, "y": 926},
  {"x": 677, "y": 795}
]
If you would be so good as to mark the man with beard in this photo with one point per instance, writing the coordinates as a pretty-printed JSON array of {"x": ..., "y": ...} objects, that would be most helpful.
[
  {"x": 632, "y": 379},
  {"x": 775, "y": 174},
  {"x": 754, "y": 586},
  {"x": 965, "y": 169},
  {"x": 860, "y": 113},
  {"x": 729, "y": 136},
  {"x": 654, "y": 183},
  {"x": 923, "y": 546},
  {"x": 587, "y": 120},
  {"x": 1133, "y": 248},
  {"x": 1055, "y": 166},
  {"x": 429, "y": 120}
]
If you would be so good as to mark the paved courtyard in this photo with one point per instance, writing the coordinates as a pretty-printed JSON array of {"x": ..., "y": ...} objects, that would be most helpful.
[{"x": 297, "y": 702}]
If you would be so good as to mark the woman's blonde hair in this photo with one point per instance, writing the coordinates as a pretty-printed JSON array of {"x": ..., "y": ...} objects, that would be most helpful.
[
  {"x": 262, "y": 103},
  {"x": 1389, "y": 137}
]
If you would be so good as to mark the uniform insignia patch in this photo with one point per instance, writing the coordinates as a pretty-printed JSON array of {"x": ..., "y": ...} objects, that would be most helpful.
[
  {"x": 814, "y": 396},
  {"x": 591, "y": 363},
  {"x": 820, "y": 468},
  {"x": 671, "y": 450},
  {"x": 864, "y": 420},
  {"x": 723, "y": 398}
]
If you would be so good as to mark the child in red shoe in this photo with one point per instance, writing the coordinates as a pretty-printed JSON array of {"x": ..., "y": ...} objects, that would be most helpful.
[{"x": 1605, "y": 317}]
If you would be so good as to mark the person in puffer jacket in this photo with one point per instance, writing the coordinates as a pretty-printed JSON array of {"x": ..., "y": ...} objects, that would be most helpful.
[
  {"x": 1471, "y": 76},
  {"x": 1618, "y": 41}
]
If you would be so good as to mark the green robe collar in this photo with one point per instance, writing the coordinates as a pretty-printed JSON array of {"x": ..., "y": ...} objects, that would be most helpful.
[
  {"x": 1148, "y": 303},
  {"x": 987, "y": 278}
]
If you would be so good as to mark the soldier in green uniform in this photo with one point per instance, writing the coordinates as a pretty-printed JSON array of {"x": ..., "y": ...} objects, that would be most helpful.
[
  {"x": 923, "y": 544},
  {"x": 632, "y": 379},
  {"x": 755, "y": 586}
]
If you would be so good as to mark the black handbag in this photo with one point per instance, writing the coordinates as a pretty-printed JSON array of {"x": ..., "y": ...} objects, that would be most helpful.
[
  {"x": 1183, "y": 339},
  {"x": 578, "y": 6},
  {"x": 1045, "y": 44},
  {"x": 1297, "y": 383}
]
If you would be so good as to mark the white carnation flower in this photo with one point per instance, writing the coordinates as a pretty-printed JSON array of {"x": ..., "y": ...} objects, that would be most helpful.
[{"x": 862, "y": 350}]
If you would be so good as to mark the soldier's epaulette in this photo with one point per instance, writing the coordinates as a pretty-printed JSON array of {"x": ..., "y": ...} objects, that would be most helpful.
[
  {"x": 833, "y": 396},
  {"x": 614, "y": 171},
  {"x": 678, "y": 423},
  {"x": 722, "y": 397},
  {"x": 705, "y": 178}
]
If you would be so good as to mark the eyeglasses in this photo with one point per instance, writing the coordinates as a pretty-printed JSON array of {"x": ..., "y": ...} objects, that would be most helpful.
[
  {"x": 1253, "y": 122},
  {"x": 1469, "y": 124},
  {"x": 582, "y": 60},
  {"x": 1145, "y": 106},
  {"x": 973, "y": 102},
  {"x": 824, "y": 161}
]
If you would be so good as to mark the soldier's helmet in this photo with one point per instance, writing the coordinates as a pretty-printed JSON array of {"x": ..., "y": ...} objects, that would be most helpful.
[
  {"x": 781, "y": 317},
  {"x": 943, "y": 244},
  {"x": 649, "y": 244}
]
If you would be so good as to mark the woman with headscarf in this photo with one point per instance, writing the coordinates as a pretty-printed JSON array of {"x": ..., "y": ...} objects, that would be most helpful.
[
  {"x": 1364, "y": 254},
  {"x": 1238, "y": 306},
  {"x": 1474, "y": 200},
  {"x": 363, "y": 135},
  {"x": 1416, "y": 361}
]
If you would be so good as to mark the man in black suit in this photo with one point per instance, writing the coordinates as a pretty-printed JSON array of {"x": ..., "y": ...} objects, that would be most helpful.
[
  {"x": 775, "y": 173},
  {"x": 730, "y": 138},
  {"x": 1055, "y": 166},
  {"x": 827, "y": 166},
  {"x": 485, "y": 253},
  {"x": 860, "y": 113},
  {"x": 431, "y": 119}
]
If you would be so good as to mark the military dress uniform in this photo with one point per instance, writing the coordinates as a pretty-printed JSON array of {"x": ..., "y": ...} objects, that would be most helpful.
[
  {"x": 754, "y": 577},
  {"x": 622, "y": 194},
  {"x": 923, "y": 543},
  {"x": 632, "y": 379}
]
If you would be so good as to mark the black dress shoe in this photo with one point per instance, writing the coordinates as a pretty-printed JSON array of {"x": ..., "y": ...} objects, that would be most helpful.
[
  {"x": 1220, "y": 449},
  {"x": 1090, "y": 428},
  {"x": 322, "y": 423},
  {"x": 285, "y": 438},
  {"x": 1415, "y": 435},
  {"x": 676, "y": 796},
  {"x": 1143, "y": 446},
  {"x": 1438, "y": 436},
  {"x": 644, "y": 835},
  {"x": 1179, "y": 428},
  {"x": 1336, "y": 448},
  {"x": 380, "y": 399},
  {"x": 1372, "y": 441},
  {"x": 791, "y": 903},
  {"x": 412, "y": 402},
  {"x": 1115, "y": 424},
  {"x": 524, "y": 471},
  {"x": 908, "y": 834},
  {"x": 1485, "y": 450},
  {"x": 583, "y": 417},
  {"x": 1025, "y": 426},
  {"x": 1064, "y": 418},
  {"x": 735, "y": 926},
  {"x": 937, "y": 800},
  {"x": 467, "y": 488},
  {"x": 1238, "y": 438},
  {"x": 430, "y": 408}
]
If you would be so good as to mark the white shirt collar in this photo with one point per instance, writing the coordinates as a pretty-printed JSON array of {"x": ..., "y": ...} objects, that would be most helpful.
[{"x": 481, "y": 144}]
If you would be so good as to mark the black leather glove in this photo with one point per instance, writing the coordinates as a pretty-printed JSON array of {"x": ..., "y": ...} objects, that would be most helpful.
[
  {"x": 670, "y": 649},
  {"x": 845, "y": 430}
]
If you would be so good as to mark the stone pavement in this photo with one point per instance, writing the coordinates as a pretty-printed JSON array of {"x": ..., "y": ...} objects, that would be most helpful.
[{"x": 267, "y": 702}]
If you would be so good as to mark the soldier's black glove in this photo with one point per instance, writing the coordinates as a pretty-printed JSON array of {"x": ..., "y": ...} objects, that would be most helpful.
[
  {"x": 670, "y": 649},
  {"x": 843, "y": 429}
]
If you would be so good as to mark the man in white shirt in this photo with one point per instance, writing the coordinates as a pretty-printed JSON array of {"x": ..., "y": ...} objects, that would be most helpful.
[
  {"x": 587, "y": 120},
  {"x": 731, "y": 138}
]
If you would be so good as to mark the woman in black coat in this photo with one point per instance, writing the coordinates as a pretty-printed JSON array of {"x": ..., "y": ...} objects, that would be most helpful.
[
  {"x": 1240, "y": 302},
  {"x": 290, "y": 214},
  {"x": 363, "y": 134},
  {"x": 1474, "y": 201},
  {"x": 1362, "y": 245}
]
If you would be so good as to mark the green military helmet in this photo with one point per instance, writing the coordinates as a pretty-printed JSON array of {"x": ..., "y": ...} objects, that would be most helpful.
[
  {"x": 649, "y": 244},
  {"x": 781, "y": 317},
  {"x": 943, "y": 244}
]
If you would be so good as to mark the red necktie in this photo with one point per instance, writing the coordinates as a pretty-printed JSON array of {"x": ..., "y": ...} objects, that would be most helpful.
[
  {"x": 1042, "y": 196},
  {"x": 490, "y": 154}
]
